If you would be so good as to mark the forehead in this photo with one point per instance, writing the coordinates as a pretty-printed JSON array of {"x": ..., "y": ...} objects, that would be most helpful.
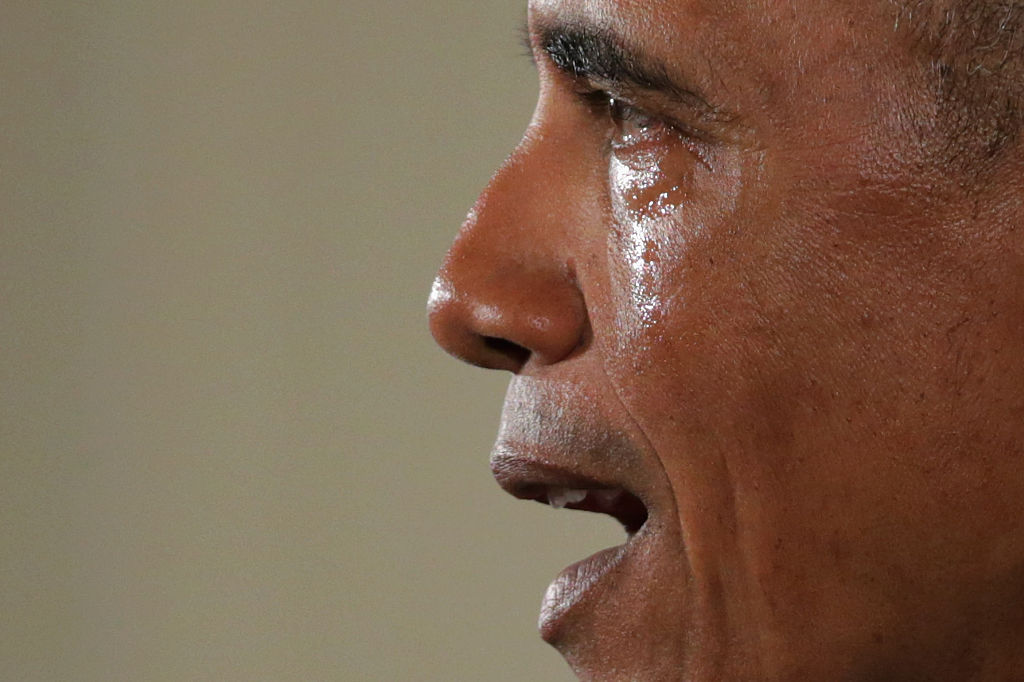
[{"x": 792, "y": 72}]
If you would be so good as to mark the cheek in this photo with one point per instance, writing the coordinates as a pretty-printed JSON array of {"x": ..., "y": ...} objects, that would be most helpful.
[
  {"x": 646, "y": 190},
  {"x": 650, "y": 182},
  {"x": 680, "y": 338},
  {"x": 668, "y": 211}
]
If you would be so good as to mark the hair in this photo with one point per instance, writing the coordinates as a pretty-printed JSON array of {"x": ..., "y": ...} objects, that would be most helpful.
[{"x": 974, "y": 51}]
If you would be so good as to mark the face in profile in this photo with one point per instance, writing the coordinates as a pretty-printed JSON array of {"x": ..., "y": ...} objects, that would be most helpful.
[{"x": 751, "y": 312}]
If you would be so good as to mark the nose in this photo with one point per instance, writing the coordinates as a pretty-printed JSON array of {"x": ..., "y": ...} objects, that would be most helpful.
[{"x": 507, "y": 293}]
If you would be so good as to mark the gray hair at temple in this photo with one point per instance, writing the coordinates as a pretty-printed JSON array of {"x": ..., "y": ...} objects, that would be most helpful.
[{"x": 974, "y": 49}]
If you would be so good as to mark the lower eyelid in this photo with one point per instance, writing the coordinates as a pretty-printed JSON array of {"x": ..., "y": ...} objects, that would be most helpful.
[
  {"x": 659, "y": 134},
  {"x": 657, "y": 146}
]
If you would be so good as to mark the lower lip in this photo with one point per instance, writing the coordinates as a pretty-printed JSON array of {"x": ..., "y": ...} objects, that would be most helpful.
[{"x": 571, "y": 587}]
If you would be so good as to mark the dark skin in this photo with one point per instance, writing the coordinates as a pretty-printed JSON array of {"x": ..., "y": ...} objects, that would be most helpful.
[{"x": 744, "y": 298}]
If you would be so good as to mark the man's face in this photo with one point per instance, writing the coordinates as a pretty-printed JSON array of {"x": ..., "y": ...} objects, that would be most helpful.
[{"x": 750, "y": 315}]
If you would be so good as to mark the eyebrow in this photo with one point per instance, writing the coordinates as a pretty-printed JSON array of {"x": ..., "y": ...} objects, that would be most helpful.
[{"x": 588, "y": 52}]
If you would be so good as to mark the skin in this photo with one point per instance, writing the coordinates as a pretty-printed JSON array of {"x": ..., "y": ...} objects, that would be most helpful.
[{"x": 792, "y": 331}]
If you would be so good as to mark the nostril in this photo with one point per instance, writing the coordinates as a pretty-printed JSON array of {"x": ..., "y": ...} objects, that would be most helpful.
[{"x": 508, "y": 349}]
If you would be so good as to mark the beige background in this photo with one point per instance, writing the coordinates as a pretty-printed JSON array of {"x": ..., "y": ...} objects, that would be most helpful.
[{"x": 228, "y": 448}]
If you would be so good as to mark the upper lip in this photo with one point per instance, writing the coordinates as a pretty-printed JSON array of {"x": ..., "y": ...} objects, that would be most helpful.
[{"x": 528, "y": 478}]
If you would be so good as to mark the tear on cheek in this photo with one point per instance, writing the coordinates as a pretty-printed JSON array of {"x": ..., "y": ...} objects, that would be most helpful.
[
  {"x": 646, "y": 187},
  {"x": 649, "y": 190},
  {"x": 642, "y": 197}
]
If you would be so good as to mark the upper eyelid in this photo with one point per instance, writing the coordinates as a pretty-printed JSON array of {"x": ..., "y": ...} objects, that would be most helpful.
[{"x": 591, "y": 94}]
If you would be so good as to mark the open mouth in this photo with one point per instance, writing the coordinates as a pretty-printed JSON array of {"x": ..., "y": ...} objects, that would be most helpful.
[
  {"x": 620, "y": 504},
  {"x": 579, "y": 587}
]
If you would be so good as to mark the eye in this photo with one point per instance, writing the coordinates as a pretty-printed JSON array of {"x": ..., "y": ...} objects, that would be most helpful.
[
  {"x": 653, "y": 164},
  {"x": 631, "y": 123},
  {"x": 641, "y": 139},
  {"x": 638, "y": 136}
]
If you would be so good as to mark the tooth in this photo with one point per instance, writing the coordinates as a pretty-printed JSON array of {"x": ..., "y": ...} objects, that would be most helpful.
[
  {"x": 556, "y": 498},
  {"x": 560, "y": 497},
  {"x": 574, "y": 496}
]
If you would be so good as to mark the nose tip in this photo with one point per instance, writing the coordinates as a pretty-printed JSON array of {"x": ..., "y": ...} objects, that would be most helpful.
[
  {"x": 507, "y": 296},
  {"x": 504, "y": 322}
]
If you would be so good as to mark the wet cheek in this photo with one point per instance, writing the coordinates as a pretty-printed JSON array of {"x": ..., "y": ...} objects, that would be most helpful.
[
  {"x": 649, "y": 194},
  {"x": 649, "y": 184}
]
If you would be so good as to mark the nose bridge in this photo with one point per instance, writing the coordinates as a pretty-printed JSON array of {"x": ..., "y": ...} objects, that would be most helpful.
[{"x": 507, "y": 292}]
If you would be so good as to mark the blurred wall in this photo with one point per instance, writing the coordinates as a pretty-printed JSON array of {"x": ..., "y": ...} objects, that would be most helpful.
[{"x": 228, "y": 447}]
